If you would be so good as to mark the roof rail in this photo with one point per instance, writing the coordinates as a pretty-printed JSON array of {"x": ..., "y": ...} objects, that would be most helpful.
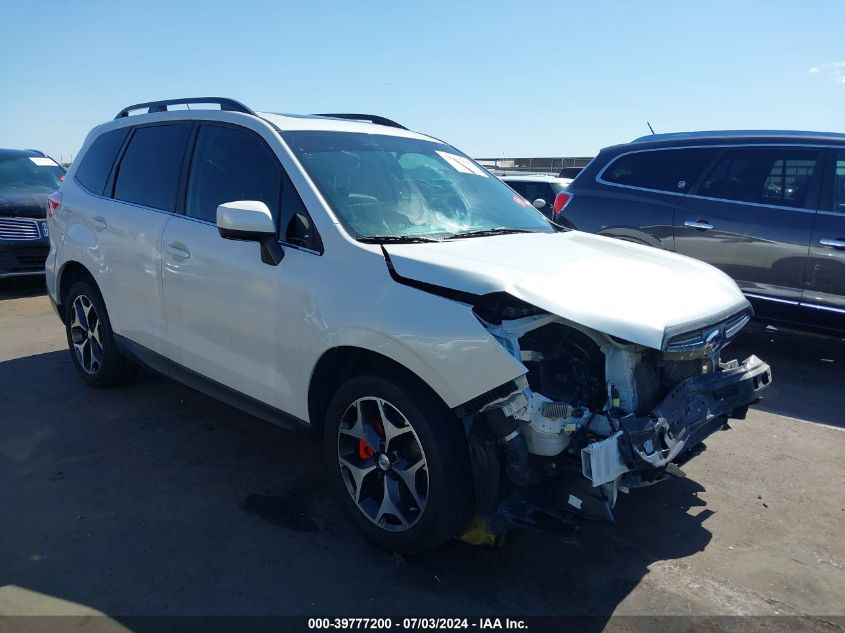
[
  {"x": 372, "y": 118},
  {"x": 734, "y": 134},
  {"x": 161, "y": 106}
]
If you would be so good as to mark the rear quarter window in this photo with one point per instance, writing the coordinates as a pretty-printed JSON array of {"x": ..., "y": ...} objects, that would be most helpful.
[
  {"x": 150, "y": 168},
  {"x": 670, "y": 170},
  {"x": 94, "y": 169}
]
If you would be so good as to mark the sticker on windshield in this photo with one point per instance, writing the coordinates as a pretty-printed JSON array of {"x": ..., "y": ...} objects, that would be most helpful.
[
  {"x": 461, "y": 164},
  {"x": 520, "y": 200},
  {"x": 43, "y": 161}
]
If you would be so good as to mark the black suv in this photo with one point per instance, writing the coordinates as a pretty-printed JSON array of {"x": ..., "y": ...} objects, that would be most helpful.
[
  {"x": 766, "y": 207},
  {"x": 27, "y": 178}
]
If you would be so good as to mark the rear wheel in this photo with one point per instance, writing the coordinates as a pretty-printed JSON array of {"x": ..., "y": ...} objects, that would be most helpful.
[
  {"x": 91, "y": 340},
  {"x": 398, "y": 459}
]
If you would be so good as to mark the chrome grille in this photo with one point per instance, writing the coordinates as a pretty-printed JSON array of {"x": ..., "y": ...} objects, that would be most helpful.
[
  {"x": 707, "y": 340},
  {"x": 18, "y": 229},
  {"x": 733, "y": 326}
]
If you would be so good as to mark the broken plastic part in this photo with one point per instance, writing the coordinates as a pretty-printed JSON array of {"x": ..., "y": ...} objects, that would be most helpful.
[{"x": 601, "y": 462}]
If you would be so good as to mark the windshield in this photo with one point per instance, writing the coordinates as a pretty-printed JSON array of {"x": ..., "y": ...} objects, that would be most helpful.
[
  {"x": 401, "y": 188},
  {"x": 30, "y": 173}
]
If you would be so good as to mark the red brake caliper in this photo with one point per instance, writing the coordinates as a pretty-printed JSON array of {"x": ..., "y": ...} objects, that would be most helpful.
[{"x": 365, "y": 451}]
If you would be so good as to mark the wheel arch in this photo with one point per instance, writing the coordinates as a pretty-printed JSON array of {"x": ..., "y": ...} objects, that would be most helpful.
[
  {"x": 340, "y": 363},
  {"x": 71, "y": 272}
]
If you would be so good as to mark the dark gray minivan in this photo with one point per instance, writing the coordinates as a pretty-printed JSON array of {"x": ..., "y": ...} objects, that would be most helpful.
[{"x": 766, "y": 207}]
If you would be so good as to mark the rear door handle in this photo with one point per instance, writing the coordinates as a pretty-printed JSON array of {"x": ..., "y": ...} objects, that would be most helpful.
[
  {"x": 833, "y": 243},
  {"x": 177, "y": 252},
  {"x": 699, "y": 225},
  {"x": 100, "y": 223}
]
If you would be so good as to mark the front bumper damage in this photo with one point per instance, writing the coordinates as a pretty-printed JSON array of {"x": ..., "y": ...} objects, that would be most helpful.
[{"x": 639, "y": 450}]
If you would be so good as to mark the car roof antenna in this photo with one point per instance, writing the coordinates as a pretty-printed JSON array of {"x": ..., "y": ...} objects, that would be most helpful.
[{"x": 649, "y": 127}]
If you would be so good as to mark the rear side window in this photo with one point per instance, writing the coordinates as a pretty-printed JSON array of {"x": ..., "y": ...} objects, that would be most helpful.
[
  {"x": 150, "y": 168},
  {"x": 671, "y": 170},
  {"x": 839, "y": 183},
  {"x": 93, "y": 171},
  {"x": 229, "y": 165},
  {"x": 776, "y": 176},
  {"x": 533, "y": 190}
]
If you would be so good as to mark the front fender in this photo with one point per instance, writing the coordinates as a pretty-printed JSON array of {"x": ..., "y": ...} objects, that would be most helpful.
[
  {"x": 457, "y": 368},
  {"x": 440, "y": 341}
]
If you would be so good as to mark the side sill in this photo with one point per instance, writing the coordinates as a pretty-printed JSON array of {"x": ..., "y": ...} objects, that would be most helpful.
[{"x": 211, "y": 388}]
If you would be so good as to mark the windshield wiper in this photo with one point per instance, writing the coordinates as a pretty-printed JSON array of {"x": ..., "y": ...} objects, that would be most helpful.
[
  {"x": 497, "y": 230},
  {"x": 396, "y": 239}
]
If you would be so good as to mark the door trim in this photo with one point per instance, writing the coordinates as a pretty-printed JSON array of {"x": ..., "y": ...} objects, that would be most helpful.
[
  {"x": 816, "y": 306},
  {"x": 775, "y": 299},
  {"x": 188, "y": 377},
  {"x": 802, "y": 304}
]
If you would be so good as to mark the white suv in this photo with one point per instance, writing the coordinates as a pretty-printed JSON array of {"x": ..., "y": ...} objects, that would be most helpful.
[{"x": 461, "y": 355}]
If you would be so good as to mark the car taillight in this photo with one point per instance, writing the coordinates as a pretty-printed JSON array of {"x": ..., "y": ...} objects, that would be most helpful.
[
  {"x": 561, "y": 200},
  {"x": 54, "y": 200}
]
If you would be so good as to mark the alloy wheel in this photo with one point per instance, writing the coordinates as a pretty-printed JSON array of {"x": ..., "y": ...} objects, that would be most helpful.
[
  {"x": 383, "y": 464},
  {"x": 85, "y": 335}
]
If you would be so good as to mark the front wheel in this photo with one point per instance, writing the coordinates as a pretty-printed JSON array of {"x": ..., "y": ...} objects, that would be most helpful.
[
  {"x": 91, "y": 340},
  {"x": 397, "y": 457}
]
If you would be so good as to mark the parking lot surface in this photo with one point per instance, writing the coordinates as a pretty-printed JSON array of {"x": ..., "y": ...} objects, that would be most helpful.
[{"x": 155, "y": 499}]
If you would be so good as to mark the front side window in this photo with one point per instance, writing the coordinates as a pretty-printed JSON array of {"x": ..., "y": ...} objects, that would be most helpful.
[
  {"x": 670, "y": 170},
  {"x": 93, "y": 171},
  {"x": 229, "y": 165},
  {"x": 394, "y": 187},
  {"x": 776, "y": 176},
  {"x": 149, "y": 170},
  {"x": 31, "y": 174},
  {"x": 295, "y": 225}
]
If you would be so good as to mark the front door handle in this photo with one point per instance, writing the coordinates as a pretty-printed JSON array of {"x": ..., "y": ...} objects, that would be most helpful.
[
  {"x": 699, "y": 225},
  {"x": 177, "y": 252},
  {"x": 100, "y": 223}
]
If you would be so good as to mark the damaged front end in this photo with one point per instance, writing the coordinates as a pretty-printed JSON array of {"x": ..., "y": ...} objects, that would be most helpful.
[{"x": 595, "y": 415}]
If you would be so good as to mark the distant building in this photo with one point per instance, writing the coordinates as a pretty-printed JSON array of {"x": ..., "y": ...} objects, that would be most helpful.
[{"x": 548, "y": 165}]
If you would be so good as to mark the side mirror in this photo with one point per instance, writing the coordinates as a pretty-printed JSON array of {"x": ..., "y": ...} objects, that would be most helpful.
[
  {"x": 250, "y": 220},
  {"x": 539, "y": 204}
]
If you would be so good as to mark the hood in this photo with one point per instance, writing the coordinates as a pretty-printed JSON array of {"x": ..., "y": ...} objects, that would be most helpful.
[
  {"x": 634, "y": 292},
  {"x": 23, "y": 204}
]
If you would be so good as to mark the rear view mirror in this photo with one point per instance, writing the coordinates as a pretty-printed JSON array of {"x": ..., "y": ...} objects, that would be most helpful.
[
  {"x": 250, "y": 220},
  {"x": 539, "y": 204}
]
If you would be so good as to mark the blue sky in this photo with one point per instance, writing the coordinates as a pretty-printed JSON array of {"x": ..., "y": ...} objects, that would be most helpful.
[{"x": 493, "y": 78}]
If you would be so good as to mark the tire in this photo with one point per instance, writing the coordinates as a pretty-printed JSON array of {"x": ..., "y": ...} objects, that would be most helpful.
[
  {"x": 442, "y": 504},
  {"x": 91, "y": 322}
]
